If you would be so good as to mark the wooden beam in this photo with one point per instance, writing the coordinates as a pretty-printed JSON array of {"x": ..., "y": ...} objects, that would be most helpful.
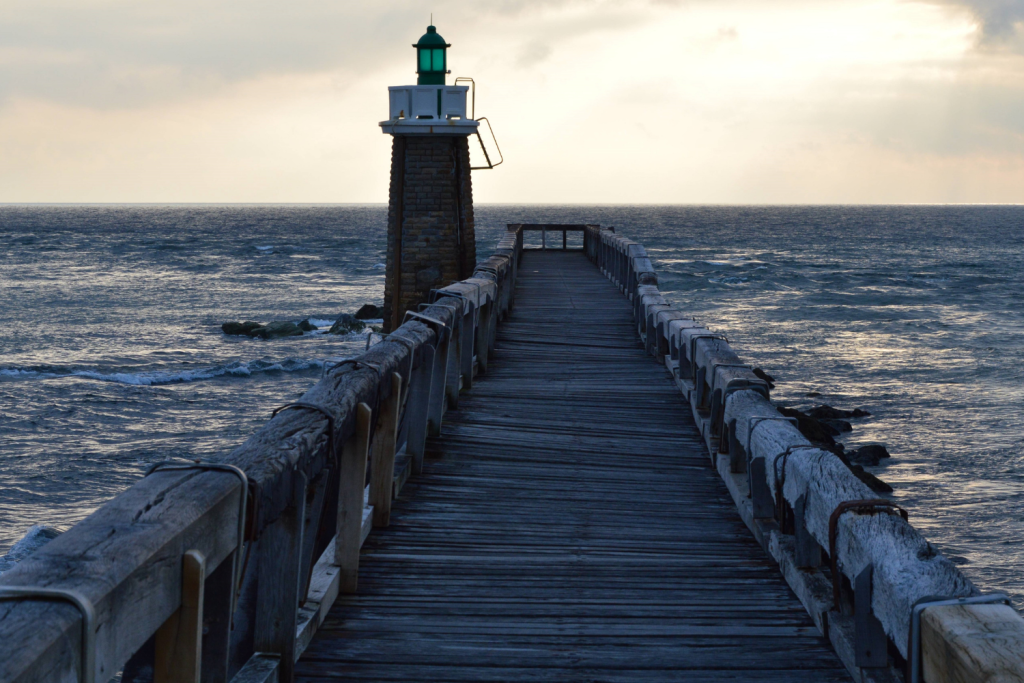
[
  {"x": 350, "y": 502},
  {"x": 179, "y": 642},
  {"x": 417, "y": 407},
  {"x": 382, "y": 471},
  {"x": 279, "y": 579},
  {"x": 972, "y": 644}
]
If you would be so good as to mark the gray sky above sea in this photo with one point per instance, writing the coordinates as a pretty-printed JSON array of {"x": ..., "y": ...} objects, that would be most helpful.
[{"x": 632, "y": 101}]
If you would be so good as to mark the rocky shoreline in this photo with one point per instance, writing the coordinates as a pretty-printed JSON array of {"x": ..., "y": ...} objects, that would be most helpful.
[{"x": 821, "y": 424}]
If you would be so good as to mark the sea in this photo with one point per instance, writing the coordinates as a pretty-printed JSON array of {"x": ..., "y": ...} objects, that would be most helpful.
[{"x": 112, "y": 355}]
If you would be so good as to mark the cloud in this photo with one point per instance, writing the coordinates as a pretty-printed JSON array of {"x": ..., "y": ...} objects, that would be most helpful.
[
  {"x": 117, "y": 53},
  {"x": 533, "y": 53},
  {"x": 1000, "y": 18},
  {"x": 592, "y": 100},
  {"x": 1001, "y": 21}
]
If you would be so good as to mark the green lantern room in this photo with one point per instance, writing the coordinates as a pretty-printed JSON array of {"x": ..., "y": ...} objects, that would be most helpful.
[{"x": 431, "y": 58}]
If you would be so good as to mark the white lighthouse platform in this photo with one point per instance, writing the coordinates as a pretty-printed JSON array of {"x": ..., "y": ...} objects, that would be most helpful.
[{"x": 428, "y": 109}]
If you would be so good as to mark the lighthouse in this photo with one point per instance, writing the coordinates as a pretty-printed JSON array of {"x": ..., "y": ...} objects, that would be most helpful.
[{"x": 431, "y": 240}]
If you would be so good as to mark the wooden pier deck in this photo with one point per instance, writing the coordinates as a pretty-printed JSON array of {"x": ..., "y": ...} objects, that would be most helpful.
[{"x": 569, "y": 526}]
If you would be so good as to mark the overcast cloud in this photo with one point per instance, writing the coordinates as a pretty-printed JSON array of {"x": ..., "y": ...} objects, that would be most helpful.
[{"x": 592, "y": 100}]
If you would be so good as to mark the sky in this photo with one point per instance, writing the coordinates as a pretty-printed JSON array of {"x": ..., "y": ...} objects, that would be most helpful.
[{"x": 591, "y": 101}]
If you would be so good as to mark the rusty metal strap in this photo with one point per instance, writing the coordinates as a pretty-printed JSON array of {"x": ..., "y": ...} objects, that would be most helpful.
[
  {"x": 715, "y": 366},
  {"x": 780, "y": 480},
  {"x": 414, "y": 314},
  {"x": 870, "y": 506},
  {"x": 693, "y": 343}
]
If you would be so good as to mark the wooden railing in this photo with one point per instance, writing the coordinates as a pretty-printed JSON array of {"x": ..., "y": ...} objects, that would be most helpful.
[
  {"x": 802, "y": 503},
  {"x": 223, "y": 571},
  {"x": 544, "y": 228}
]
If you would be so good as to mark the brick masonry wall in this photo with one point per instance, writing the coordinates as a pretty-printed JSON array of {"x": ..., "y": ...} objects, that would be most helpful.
[{"x": 431, "y": 238}]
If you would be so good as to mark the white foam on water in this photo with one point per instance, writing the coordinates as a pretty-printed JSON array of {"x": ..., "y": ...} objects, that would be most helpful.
[{"x": 155, "y": 378}]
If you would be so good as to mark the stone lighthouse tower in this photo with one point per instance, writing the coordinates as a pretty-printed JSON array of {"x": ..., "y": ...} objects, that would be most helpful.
[{"x": 431, "y": 240}]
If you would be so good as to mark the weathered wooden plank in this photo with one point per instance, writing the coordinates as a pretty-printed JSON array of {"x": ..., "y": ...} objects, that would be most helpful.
[
  {"x": 279, "y": 581},
  {"x": 179, "y": 641},
  {"x": 969, "y": 643},
  {"x": 383, "y": 458},
  {"x": 351, "y": 501}
]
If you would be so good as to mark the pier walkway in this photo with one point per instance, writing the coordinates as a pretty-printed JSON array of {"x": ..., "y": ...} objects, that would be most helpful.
[{"x": 569, "y": 526}]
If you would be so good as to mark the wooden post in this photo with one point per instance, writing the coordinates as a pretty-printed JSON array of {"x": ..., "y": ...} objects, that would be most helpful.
[
  {"x": 280, "y": 562},
  {"x": 807, "y": 550},
  {"x": 438, "y": 381},
  {"x": 451, "y": 383},
  {"x": 350, "y": 501},
  {"x": 543, "y": 239},
  {"x": 311, "y": 524},
  {"x": 179, "y": 642},
  {"x": 416, "y": 409},
  {"x": 492, "y": 328},
  {"x": 468, "y": 331},
  {"x": 482, "y": 338},
  {"x": 565, "y": 240},
  {"x": 217, "y": 603},
  {"x": 383, "y": 470}
]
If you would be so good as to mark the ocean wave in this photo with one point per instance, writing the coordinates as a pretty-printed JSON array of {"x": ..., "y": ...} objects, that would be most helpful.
[{"x": 158, "y": 377}]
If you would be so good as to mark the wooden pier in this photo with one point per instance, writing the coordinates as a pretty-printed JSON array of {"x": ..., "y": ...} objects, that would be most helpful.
[
  {"x": 570, "y": 528},
  {"x": 548, "y": 473}
]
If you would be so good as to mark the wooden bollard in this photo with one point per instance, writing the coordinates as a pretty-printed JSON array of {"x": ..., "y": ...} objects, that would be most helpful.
[
  {"x": 179, "y": 642},
  {"x": 383, "y": 467},
  {"x": 350, "y": 500}
]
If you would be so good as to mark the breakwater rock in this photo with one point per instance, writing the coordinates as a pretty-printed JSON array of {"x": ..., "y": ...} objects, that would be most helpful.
[
  {"x": 272, "y": 330},
  {"x": 821, "y": 424},
  {"x": 346, "y": 323}
]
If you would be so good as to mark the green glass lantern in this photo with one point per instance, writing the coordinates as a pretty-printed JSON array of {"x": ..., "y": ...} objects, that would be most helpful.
[{"x": 431, "y": 58}]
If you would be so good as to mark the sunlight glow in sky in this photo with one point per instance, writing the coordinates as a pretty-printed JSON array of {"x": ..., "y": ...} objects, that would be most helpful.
[{"x": 773, "y": 101}]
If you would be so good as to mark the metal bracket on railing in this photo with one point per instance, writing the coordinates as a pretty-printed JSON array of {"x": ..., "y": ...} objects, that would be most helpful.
[
  {"x": 483, "y": 270},
  {"x": 715, "y": 366},
  {"x": 243, "y": 506},
  {"x": 433, "y": 321},
  {"x": 859, "y": 506},
  {"x": 84, "y": 606},
  {"x": 780, "y": 482},
  {"x": 352, "y": 361},
  {"x": 693, "y": 346},
  {"x": 439, "y": 294},
  {"x": 914, "y": 646},
  {"x": 751, "y": 424}
]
